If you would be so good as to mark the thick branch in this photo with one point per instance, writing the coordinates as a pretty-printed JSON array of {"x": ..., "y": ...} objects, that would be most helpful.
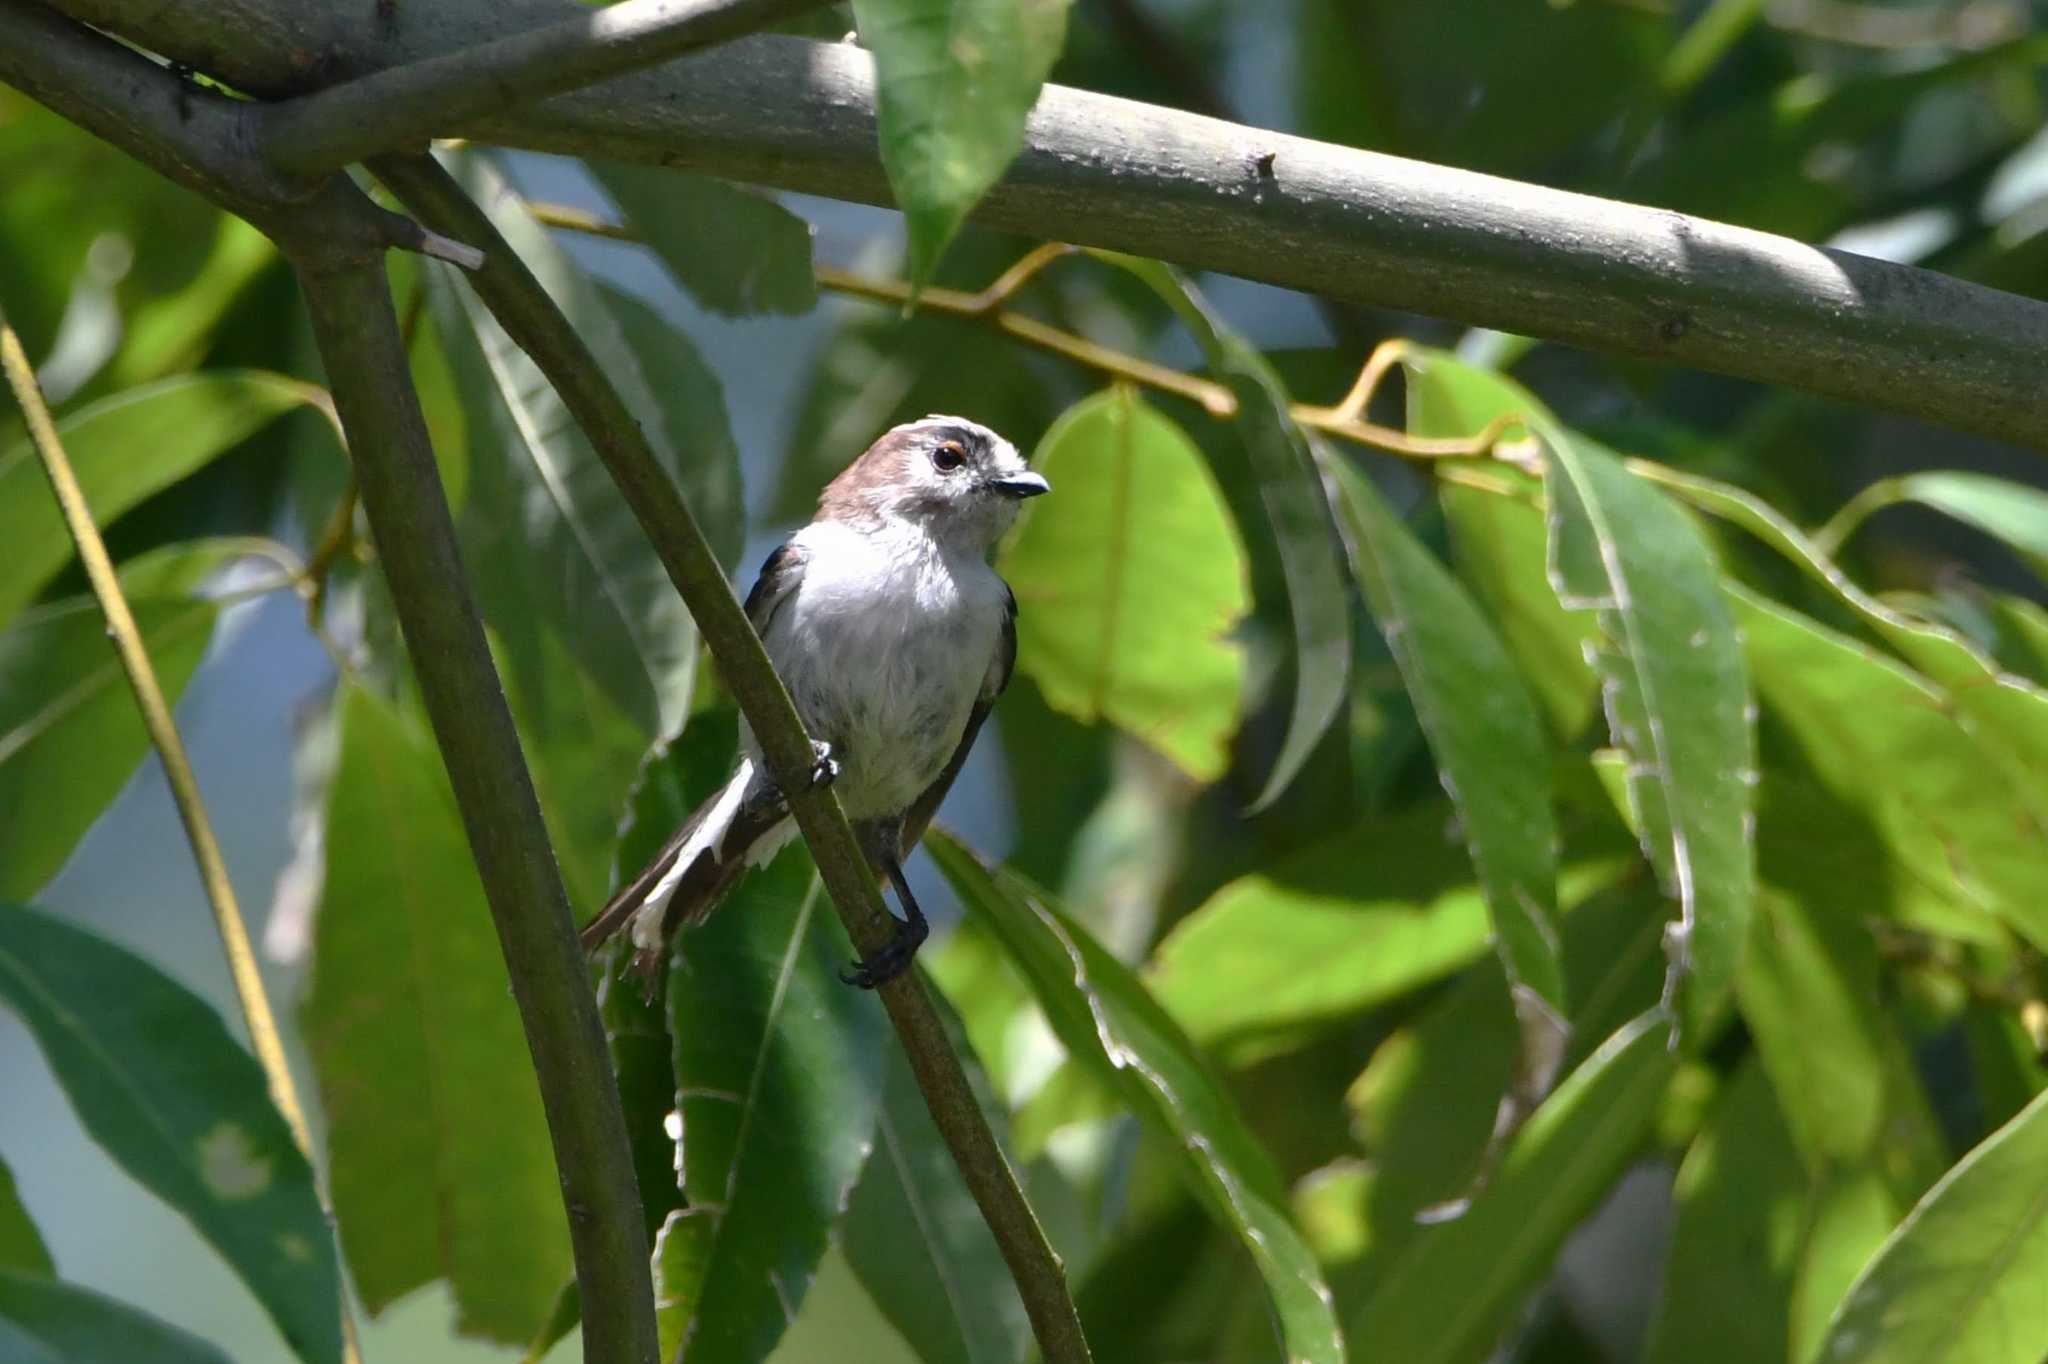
[
  {"x": 307, "y": 138},
  {"x": 526, "y": 312},
  {"x": 1349, "y": 224},
  {"x": 359, "y": 343}
]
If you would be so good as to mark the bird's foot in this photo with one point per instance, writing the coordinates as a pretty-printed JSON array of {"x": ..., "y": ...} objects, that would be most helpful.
[
  {"x": 824, "y": 767},
  {"x": 891, "y": 959}
]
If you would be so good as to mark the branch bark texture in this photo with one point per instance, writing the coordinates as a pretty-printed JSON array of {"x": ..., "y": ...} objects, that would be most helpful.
[
  {"x": 522, "y": 306},
  {"x": 1348, "y": 224}
]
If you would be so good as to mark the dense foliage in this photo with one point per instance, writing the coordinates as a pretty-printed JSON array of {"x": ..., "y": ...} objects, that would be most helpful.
[{"x": 1456, "y": 837}]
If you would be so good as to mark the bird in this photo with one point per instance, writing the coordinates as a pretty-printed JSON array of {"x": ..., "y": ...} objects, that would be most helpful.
[{"x": 894, "y": 636}]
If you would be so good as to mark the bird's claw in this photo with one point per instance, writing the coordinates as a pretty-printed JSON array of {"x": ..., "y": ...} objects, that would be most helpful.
[
  {"x": 824, "y": 767},
  {"x": 888, "y": 961}
]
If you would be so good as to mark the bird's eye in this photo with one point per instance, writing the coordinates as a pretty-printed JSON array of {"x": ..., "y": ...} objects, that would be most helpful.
[{"x": 949, "y": 457}]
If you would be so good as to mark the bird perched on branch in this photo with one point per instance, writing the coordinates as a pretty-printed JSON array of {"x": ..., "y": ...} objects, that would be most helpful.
[{"x": 894, "y": 637}]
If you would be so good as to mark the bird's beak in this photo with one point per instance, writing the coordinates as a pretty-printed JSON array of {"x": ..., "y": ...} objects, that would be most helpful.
[{"x": 1020, "y": 486}]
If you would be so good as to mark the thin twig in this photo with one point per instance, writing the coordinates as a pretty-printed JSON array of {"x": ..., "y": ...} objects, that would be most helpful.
[
  {"x": 533, "y": 320},
  {"x": 356, "y": 328},
  {"x": 401, "y": 107},
  {"x": 163, "y": 734},
  {"x": 1344, "y": 421}
]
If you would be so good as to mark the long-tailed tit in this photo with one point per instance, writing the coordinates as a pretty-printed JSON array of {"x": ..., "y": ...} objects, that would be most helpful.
[{"x": 894, "y": 637}]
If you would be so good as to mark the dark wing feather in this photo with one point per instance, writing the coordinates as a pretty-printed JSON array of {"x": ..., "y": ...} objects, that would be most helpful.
[
  {"x": 780, "y": 574},
  {"x": 919, "y": 816}
]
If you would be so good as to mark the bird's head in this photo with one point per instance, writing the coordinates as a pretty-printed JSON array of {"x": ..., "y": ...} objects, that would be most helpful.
[{"x": 958, "y": 480}]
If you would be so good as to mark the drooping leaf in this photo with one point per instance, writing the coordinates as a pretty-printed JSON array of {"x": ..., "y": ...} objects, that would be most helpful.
[
  {"x": 44, "y": 1321},
  {"x": 916, "y": 1239},
  {"x": 1128, "y": 589},
  {"x": 1960, "y": 1280},
  {"x": 21, "y": 1246},
  {"x": 1735, "y": 1247},
  {"x": 1677, "y": 697},
  {"x": 778, "y": 1081},
  {"x": 1491, "y": 753},
  {"x": 954, "y": 80},
  {"x": 1297, "y": 509},
  {"x": 124, "y": 448},
  {"x": 1458, "y": 1285},
  {"x": 415, "y": 1038},
  {"x": 735, "y": 250},
  {"x": 70, "y": 735},
  {"x": 2012, "y": 512},
  {"x": 154, "y": 1077},
  {"x": 1103, "y": 1014}
]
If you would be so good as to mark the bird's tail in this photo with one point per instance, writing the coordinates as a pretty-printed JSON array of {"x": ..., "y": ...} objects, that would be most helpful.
[{"x": 742, "y": 826}]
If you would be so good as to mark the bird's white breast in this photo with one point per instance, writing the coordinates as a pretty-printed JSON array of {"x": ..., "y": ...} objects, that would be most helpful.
[{"x": 884, "y": 644}]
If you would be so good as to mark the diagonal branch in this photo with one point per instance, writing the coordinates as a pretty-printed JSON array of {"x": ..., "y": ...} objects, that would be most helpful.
[
  {"x": 1336, "y": 221},
  {"x": 526, "y": 312},
  {"x": 357, "y": 331},
  {"x": 400, "y": 108}
]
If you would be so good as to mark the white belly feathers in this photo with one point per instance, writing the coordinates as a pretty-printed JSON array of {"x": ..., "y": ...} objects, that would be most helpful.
[{"x": 885, "y": 644}]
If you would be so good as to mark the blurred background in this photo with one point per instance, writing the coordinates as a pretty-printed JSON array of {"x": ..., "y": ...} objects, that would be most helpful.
[{"x": 1910, "y": 131}]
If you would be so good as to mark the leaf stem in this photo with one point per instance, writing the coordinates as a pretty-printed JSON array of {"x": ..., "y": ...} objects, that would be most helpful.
[
  {"x": 533, "y": 320},
  {"x": 356, "y": 328},
  {"x": 1830, "y": 538},
  {"x": 243, "y": 971}
]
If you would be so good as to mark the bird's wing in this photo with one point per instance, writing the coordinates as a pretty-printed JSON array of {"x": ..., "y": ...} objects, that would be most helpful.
[
  {"x": 1000, "y": 667},
  {"x": 780, "y": 574}
]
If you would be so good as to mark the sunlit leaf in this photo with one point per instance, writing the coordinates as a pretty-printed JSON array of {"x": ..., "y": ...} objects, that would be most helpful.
[
  {"x": 1297, "y": 510},
  {"x": 1491, "y": 752},
  {"x": 439, "y": 1164},
  {"x": 954, "y": 80},
  {"x": 778, "y": 1071},
  {"x": 1960, "y": 1280},
  {"x": 124, "y": 448},
  {"x": 1104, "y": 1016},
  {"x": 178, "y": 1104},
  {"x": 70, "y": 733},
  {"x": 1677, "y": 696},
  {"x": 44, "y": 1321},
  {"x": 1128, "y": 588},
  {"x": 2013, "y": 512},
  {"x": 735, "y": 250},
  {"x": 21, "y": 1246},
  {"x": 916, "y": 1239},
  {"x": 1458, "y": 1285},
  {"x": 1741, "y": 1196}
]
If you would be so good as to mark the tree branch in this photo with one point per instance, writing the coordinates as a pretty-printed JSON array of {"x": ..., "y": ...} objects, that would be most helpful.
[
  {"x": 357, "y": 332},
  {"x": 401, "y": 107},
  {"x": 531, "y": 318},
  {"x": 1348, "y": 224}
]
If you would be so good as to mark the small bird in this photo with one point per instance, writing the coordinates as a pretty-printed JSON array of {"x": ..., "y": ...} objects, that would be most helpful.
[{"x": 894, "y": 637}]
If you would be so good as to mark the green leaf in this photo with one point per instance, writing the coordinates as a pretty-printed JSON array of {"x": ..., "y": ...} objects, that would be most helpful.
[
  {"x": 70, "y": 735},
  {"x": 1291, "y": 486},
  {"x": 415, "y": 1037},
  {"x": 1960, "y": 1280},
  {"x": 1458, "y": 1286},
  {"x": 954, "y": 80},
  {"x": 1677, "y": 696},
  {"x": 916, "y": 1239},
  {"x": 735, "y": 250},
  {"x": 1741, "y": 1195},
  {"x": 21, "y": 1246},
  {"x": 1128, "y": 589},
  {"x": 123, "y": 449},
  {"x": 1104, "y": 1016},
  {"x": 177, "y": 1103},
  {"x": 1491, "y": 752},
  {"x": 2012, "y": 512},
  {"x": 1809, "y": 993},
  {"x": 43, "y": 1321},
  {"x": 778, "y": 1080},
  {"x": 1858, "y": 715}
]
